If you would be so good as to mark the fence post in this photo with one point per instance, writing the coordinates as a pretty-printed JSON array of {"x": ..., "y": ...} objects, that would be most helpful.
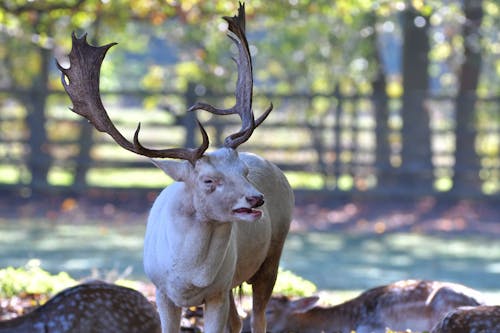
[
  {"x": 39, "y": 158},
  {"x": 83, "y": 159},
  {"x": 337, "y": 136},
  {"x": 416, "y": 171},
  {"x": 383, "y": 167}
]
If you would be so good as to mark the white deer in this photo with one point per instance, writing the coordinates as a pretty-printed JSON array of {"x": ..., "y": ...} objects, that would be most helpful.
[
  {"x": 409, "y": 304},
  {"x": 225, "y": 218}
]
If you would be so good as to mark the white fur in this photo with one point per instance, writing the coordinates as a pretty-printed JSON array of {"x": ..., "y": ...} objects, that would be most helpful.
[{"x": 197, "y": 248}]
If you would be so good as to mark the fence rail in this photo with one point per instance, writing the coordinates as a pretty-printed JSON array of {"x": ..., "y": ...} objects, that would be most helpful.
[{"x": 323, "y": 142}]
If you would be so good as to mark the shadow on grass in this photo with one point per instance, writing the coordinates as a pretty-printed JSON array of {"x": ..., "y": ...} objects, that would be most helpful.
[{"x": 337, "y": 261}]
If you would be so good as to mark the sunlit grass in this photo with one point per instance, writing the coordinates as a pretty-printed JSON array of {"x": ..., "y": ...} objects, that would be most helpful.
[
  {"x": 155, "y": 178},
  {"x": 345, "y": 183},
  {"x": 9, "y": 174},
  {"x": 443, "y": 184},
  {"x": 314, "y": 256},
  {"x": 305, "y": 180},
  {"x": 123, "y": 178},
  {"x": 60, "y": 177}
]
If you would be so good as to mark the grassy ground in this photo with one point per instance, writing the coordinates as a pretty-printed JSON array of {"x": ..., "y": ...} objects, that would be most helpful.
[
  {"x": 365, "y": 260},
  {"x": 343, "y": 247}
]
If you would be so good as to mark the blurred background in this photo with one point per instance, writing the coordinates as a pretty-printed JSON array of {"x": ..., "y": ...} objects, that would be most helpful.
[
  {"x": 386, "y": 118},
  {"x": 389, "y": 97}
]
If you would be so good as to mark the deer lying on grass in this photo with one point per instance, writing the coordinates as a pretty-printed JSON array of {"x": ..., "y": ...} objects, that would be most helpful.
[
  {"x": 95, "y": 307},
  {"x": 410, "y": 304},
  {"x": 210, "y": 230},
  {"x": 484, "y": 319}
]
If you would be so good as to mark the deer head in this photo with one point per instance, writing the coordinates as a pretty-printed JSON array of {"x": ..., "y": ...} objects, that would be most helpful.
[
  {"x": 217, "y": 181},
  {"x": 283, "y": 312}
]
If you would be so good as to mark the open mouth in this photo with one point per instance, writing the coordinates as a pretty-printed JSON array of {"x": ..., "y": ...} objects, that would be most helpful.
[{"x": 247, "y": 211}]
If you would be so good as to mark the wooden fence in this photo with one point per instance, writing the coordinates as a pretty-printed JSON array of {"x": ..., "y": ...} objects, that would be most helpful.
[{"x": 323, "y": 142}]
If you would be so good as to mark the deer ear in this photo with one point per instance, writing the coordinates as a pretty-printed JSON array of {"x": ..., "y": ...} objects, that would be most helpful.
[
  {"x": 304, "y": 304},
  {"x": 178, "y": 170}
]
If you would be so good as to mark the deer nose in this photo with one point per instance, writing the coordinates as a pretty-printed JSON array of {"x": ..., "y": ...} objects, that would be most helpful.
[{"x": 255, "y": 200}]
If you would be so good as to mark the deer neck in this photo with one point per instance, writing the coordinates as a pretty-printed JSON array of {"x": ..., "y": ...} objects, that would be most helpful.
[
  {"x": 207, "y": 244},
  {"x": 344, "y": 317},
  {"x": 202, "y": 248}
]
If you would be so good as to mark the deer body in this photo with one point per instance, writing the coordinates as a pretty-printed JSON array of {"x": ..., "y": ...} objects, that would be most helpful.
[
  {"x": 198, "y": 247},
  {"x": 223, "y": 221},
  {"x": 484, "y": 319},
  {"x": 96, "y": 307},
  {"x": 410, "y": 304}
]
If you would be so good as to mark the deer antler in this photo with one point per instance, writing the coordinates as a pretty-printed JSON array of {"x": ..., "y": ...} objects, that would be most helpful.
[
  {"x": 83, "y": 89},
  {"x": 244, "y": 85}
]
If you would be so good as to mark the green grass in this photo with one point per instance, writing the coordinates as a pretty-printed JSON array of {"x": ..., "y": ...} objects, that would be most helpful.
[
  {"x": 9, "y": 174},
  {"x": 155, "y": 178},
  {"x": 288, "y": 284},
  {"x": 332, "y": 261},
  {"x": 32, "y": 279},
  {"x": 127, "y": 178},
  {"x": 305, "y": 180}
]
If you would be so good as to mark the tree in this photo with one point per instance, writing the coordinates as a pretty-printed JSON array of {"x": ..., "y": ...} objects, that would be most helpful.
[
  {"x": 381, "y": 108},
  {"x": 467, "y": 165},
  {"x": 305, "y": 48},
  {"x": 416, "y": 168},
  {"x": 36, "y": 21},
  {"x": 32, "y": 85}
]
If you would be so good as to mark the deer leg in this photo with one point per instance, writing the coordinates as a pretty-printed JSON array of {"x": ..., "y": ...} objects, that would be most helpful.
[
  {"x": 262, "y": 287},
  {"x": 234, "y": 317},
  {"x": 217, "y": 313},
  {"x": 170, "y": 314}
]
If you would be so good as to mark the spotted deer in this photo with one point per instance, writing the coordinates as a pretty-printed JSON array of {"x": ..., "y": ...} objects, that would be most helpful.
[
  {"x": 96, "y": 307},
  {"x": 225, "y": 218},
  {"x": 410, "y": 304},
  {"x": 484, "y": 319}
]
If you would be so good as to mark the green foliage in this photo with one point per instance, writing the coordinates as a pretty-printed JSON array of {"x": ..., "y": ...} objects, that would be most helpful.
[
  {"x": 288, "y": 56},
  {"x": 31, "y": 279},
  {"x": 301, "y": 45},
  {"x": 291, "y": 284},
  {"x": 288, "y": 284}
]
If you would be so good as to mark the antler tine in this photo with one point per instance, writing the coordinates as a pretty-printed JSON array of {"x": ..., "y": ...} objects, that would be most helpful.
[
  {"x": 244, "y": 85},
  {"x": 82, "y": 86}
]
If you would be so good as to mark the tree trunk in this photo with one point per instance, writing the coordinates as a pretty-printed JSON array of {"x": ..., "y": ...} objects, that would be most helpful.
[
  {"x": 384, "y": 169},
  {"x": 39, "y": 158},
  {"x": 385, "y": 174},
  {"x": 416, "y": 169},
  {"x": 467, "y": 166}
]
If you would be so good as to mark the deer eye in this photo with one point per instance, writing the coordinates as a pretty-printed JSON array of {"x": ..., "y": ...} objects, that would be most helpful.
[{"x": 209, "y": 184}]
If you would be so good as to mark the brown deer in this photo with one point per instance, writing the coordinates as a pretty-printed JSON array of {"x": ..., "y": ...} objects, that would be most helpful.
[
  {"x": 484, "y": 319},
  {"x": 96, "y": 307},
  {"x": 225, "y": 218},
  {"x": 410, "y": 304}
]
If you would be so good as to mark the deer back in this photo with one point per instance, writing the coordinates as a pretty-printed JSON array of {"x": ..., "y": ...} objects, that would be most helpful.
[
  {"x": 484, "y": 319},
  {"x": 95, "y": 307},
  {"x": 419, "y": 304},
  {"x": 408, "y": 304}
]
